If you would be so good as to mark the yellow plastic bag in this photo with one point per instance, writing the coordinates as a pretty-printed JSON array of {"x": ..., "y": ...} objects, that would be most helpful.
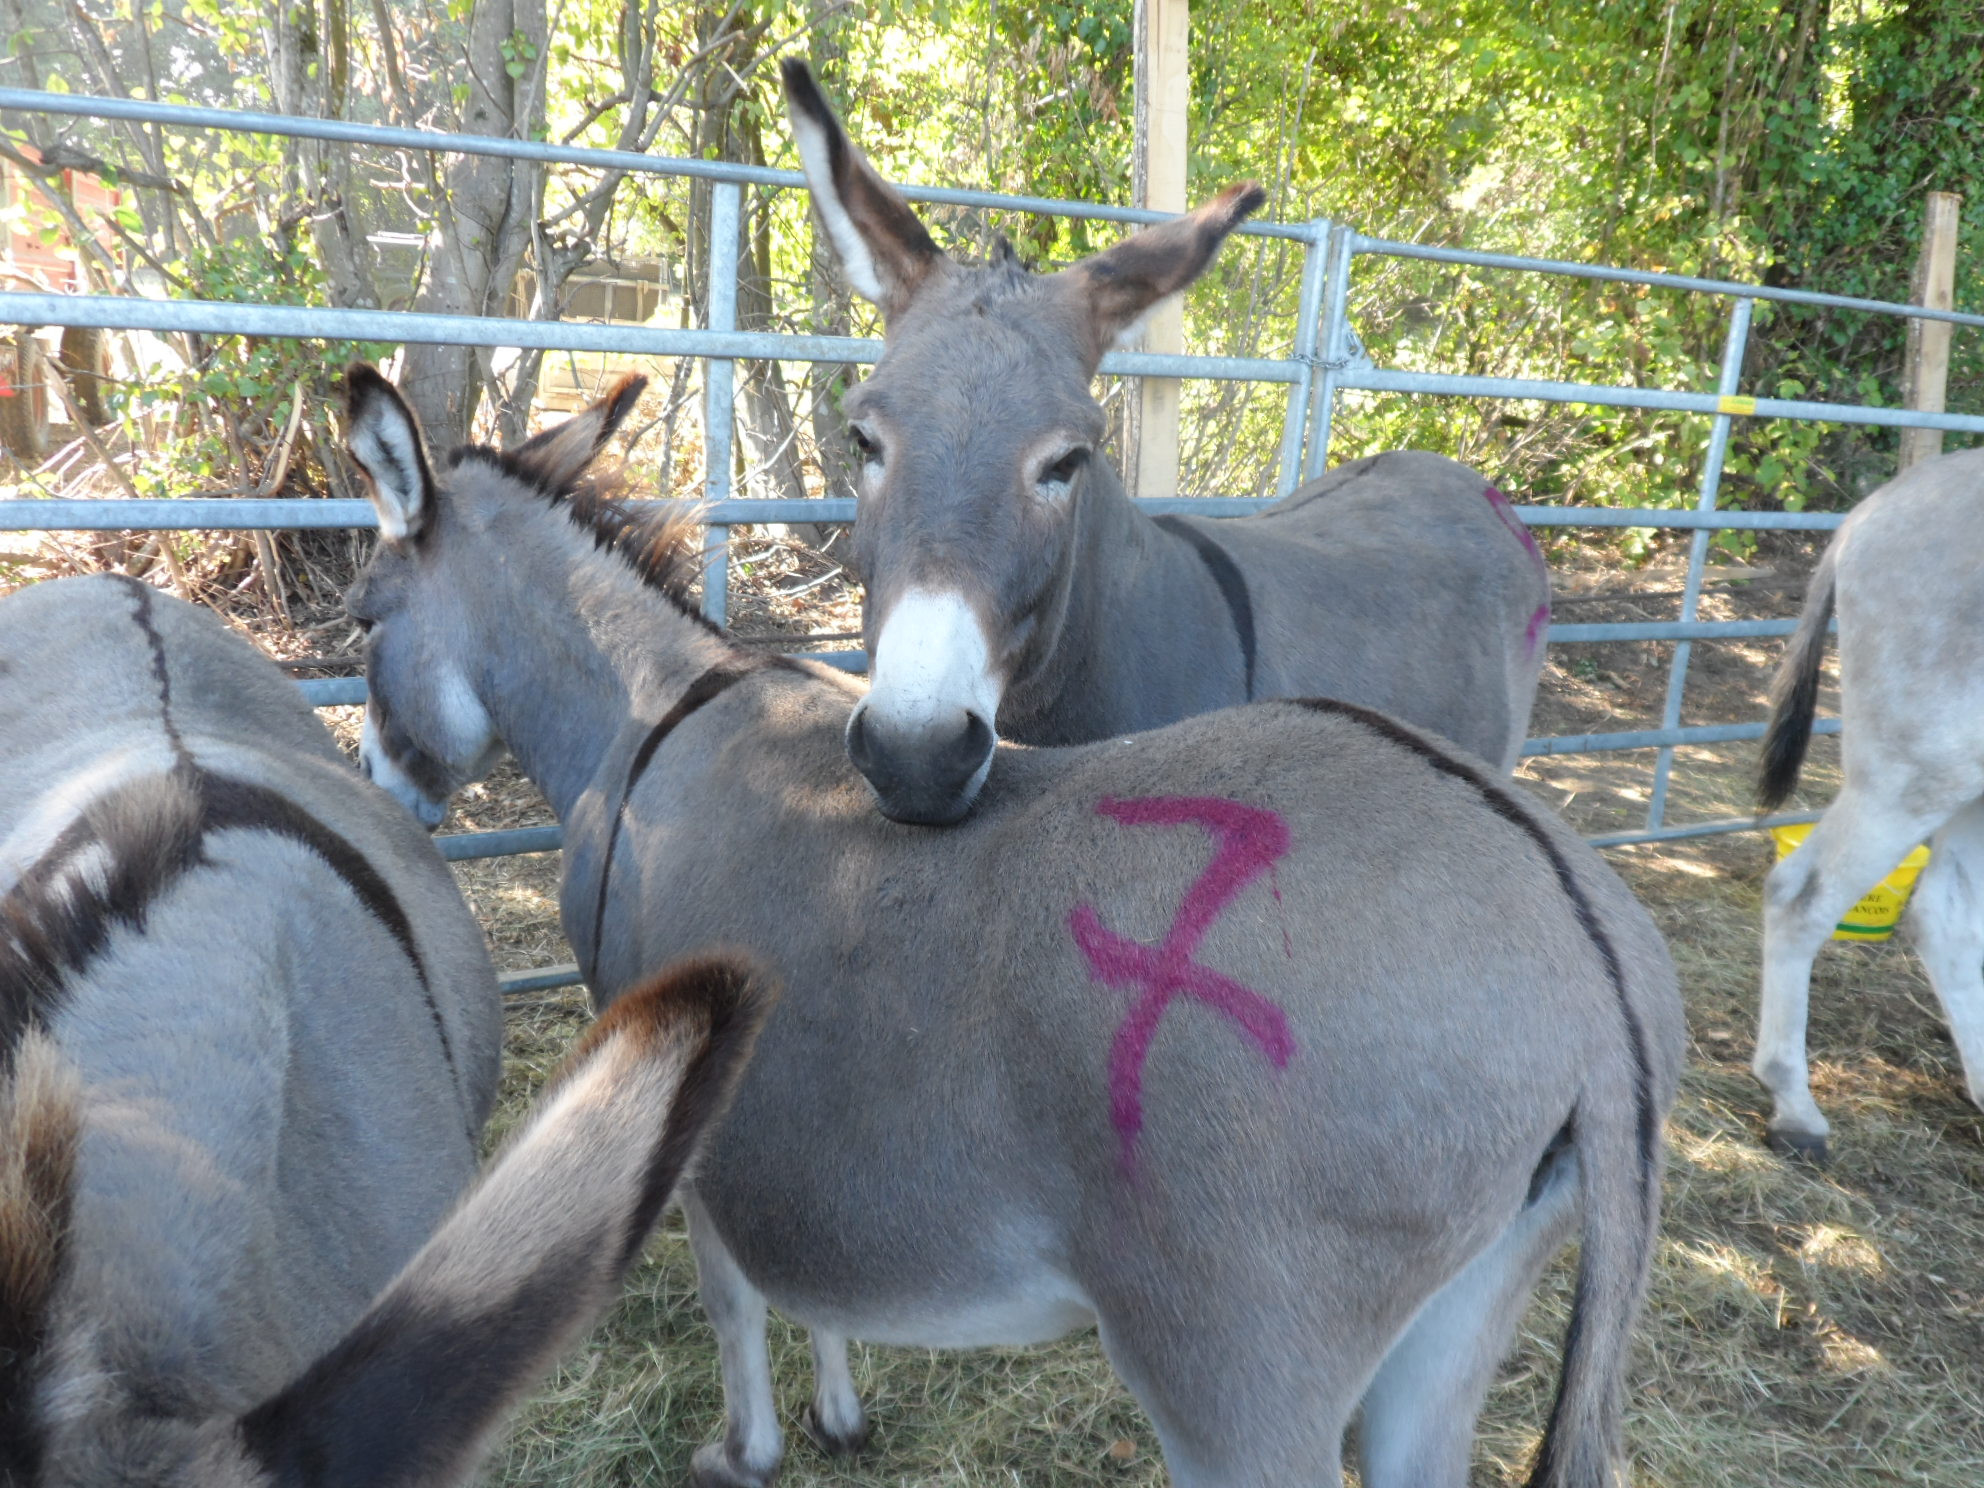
[{"x": 1874, "y": 917}]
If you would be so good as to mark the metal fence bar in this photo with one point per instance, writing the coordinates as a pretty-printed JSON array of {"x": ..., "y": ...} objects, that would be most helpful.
[
  {"x": 1702, "y": 829},
  {"x": 1336, "y": 322},
  {"x": 549, "y": 979},
  {"x": 460, "y": 847},
  {"x": 408, "y": 327},
  {"x": 1369, "y": 379},
  {"x": 184, "y": 116},
  {"x": 1668, "y": 630},
  {"x": 1730, "y": 521},
  {"x": 1733, "y": 349},
  {"x": 720, "y": 389},
  {"x": 1387, "y": 248},
  {"x": 332, "y": 692},
  {"x": 228, "y": 513},
  {"x": 1308, "y": 326},
  {"x": 1660, "y": 738}
]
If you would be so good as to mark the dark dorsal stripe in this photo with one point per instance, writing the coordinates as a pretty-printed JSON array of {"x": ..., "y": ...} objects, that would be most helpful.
[
  {"x": 59, "y": 914},
  {"x": 242, "y": 804},
  {"x": 227, "y": 802},
  {"x": 1232, "y": 587},
  {"x": 1505, "y": 805},
  {"x": 151, "y": 832},
  {"x": 144, "y": 594},
  {"x": 717, "y": 680}
]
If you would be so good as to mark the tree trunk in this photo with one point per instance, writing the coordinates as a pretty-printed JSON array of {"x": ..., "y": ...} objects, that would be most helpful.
[
  {"x": 486, "y": 218},
  {"x": 770, "y": 432}
]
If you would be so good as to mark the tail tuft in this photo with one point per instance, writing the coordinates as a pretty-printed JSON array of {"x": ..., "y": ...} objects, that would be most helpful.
[{"x": 1794, "y": 695}]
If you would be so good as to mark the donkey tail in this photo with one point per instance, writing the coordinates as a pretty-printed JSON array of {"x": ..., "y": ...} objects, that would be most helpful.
[
  {"x": 1794, "y": 692},
  {"x": 1617, "y": 1144}
]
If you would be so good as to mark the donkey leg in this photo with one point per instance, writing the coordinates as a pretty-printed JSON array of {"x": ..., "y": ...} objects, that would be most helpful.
[
  {"x": 1858, "y": 839},
  {"x": 834, "y": 1420},
  {"x": 752, "y": 1445},
  {"x": 1417, "y": 1425},
  {"x": 1946, "y": 917},
  {"x": 1248, "y": 1370}
]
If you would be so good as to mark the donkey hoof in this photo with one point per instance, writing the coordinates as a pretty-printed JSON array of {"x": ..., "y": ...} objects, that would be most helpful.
[
  {"x": 712, "y": 1466},
  {"x": 1799, "y": 1146},
  {"x": 834, "y": 1443}
]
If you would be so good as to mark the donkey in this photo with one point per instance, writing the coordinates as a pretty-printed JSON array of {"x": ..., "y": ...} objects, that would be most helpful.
[
  {"x": 1013, "y": 589},
  {"x": 1911, "y": 703},
  {"x": 248, "y": 1037},
  {"x": 1115, "y": 1049}
]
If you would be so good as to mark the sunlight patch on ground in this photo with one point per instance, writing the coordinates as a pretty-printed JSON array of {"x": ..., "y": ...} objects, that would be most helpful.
[{"x": 1841, "y": 1248}]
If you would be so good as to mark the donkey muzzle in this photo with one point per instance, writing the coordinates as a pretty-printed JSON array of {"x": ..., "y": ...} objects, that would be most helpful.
[{"x": 928, "y": 776}]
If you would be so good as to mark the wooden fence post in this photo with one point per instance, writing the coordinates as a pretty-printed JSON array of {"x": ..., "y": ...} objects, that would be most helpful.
[
  {"x": 1163, "y": 100},
  {"x": 1926, "y": 373}
]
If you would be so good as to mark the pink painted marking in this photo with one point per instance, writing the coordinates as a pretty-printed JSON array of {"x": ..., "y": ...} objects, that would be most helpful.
[
  {"x": 1536, "y": 623},
  {"x": 1249, "y": 843},
  {"x": 1511, "y": 521}
]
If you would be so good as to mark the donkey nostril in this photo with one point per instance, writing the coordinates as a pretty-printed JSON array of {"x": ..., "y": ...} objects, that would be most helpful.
[
  {"x": 858, "y": 747},
  {"x": 957, "y": 759},
  {"x": 974, "y": 743}
]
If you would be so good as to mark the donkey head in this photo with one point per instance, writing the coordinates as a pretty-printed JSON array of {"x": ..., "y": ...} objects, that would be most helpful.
[
  {"x": 978, "y": 438},
  {"x": 417, "y": 1387},
  {"x": 427, "y": 732}
]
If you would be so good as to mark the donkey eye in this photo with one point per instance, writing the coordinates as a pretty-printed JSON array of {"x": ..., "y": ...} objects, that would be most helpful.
[
  {"x": 864, "y": 444},
  {"x": 1064, "y": 469}
]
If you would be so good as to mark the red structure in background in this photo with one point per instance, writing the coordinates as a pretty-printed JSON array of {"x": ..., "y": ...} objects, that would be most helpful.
[{"x": 29, "y": 263}]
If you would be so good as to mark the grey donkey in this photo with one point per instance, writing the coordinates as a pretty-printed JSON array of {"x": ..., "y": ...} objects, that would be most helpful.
[
  {"x": 1013, "y": 589},
  {"x": 1283, "y": 1044},
  {"x": 1905, "y": 574},
  {"x": 248, "y": 1037}
]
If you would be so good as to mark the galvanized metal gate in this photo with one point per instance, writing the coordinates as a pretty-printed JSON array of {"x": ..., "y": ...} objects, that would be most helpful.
[{"x": 1326, "y": 359}]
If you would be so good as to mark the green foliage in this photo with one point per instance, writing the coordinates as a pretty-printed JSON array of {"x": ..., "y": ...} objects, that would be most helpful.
[
  {"x": 200, "y": 416},
  {"x": 1787, "y": 141}
]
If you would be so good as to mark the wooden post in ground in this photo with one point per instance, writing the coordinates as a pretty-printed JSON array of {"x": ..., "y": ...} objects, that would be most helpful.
[
  {"x": 1926, "y": 372},
  {"x": 1163, "y": 100}
]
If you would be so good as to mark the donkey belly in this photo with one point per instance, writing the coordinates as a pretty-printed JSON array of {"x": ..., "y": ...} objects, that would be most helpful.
[
  {"x": 858, "y": 1252},
  {"x": 1006, "y": 1312}
]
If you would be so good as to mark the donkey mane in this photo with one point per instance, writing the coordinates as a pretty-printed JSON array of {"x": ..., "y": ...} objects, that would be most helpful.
[
  {"x": 659, "y": 545},
  {"x": 1002, "y": 276}
]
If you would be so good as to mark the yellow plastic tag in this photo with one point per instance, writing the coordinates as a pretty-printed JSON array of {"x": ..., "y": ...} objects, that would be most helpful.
[{"x": 1736, "y": 405}]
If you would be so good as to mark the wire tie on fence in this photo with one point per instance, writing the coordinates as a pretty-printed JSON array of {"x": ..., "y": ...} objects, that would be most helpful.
[{"x": 1354, "y": 355}]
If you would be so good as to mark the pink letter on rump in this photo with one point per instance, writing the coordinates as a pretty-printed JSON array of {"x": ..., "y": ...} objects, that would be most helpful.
[{"x": 1249, "y": 841}]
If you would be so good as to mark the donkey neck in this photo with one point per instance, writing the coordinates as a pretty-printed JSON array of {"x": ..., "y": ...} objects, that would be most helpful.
[
  {"x": 1133, "y": 617},
  {"x": 581, "y": 648}
]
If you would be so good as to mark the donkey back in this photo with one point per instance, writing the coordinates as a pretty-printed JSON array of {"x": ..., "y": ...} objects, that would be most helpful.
[{"x": 248, "y": 1037}]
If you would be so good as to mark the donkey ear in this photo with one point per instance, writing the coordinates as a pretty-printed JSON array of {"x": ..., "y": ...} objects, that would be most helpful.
[
  {"x": 879, "y": 240},
  {"x": 1123, "y": 282},
  {"x": 415, "y": 1392},
  {"x": 384, "y": 440},
  {"x": 558, "y": 456}
]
